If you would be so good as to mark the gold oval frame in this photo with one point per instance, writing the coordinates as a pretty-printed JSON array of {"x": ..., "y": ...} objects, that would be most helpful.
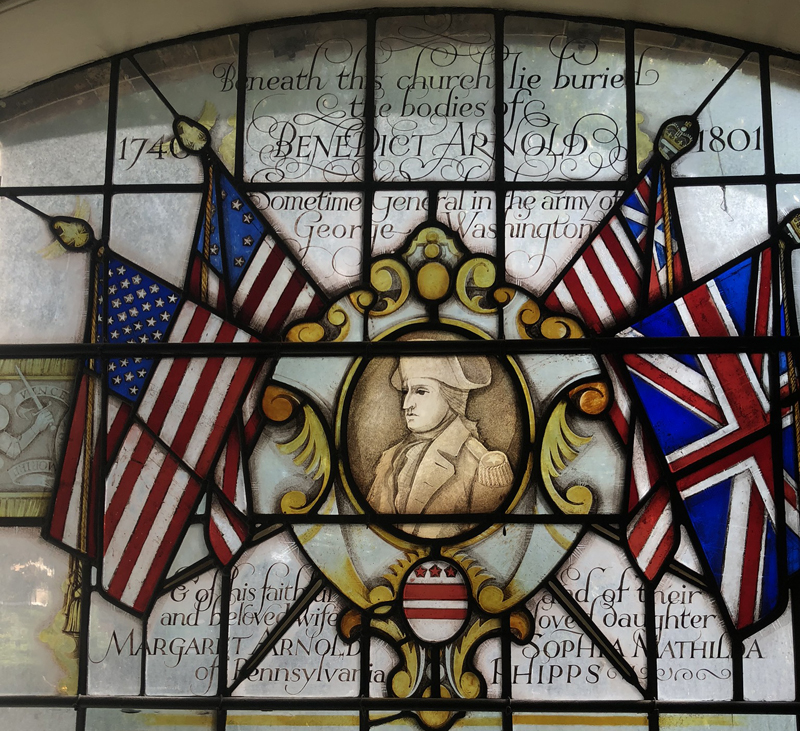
[{"x": 406, "y": 541}]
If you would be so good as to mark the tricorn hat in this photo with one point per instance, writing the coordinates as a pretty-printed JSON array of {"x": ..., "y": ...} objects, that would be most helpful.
[{"x": 464, "y": 372}]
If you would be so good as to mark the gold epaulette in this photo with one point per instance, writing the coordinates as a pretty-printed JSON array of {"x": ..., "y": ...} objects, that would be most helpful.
[{"x": 494, "y": 470}]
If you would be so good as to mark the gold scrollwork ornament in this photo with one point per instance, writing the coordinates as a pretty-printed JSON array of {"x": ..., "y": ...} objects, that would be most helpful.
[
  {"x": 474, "y": 281},
  {"x": 534, "y": 322},
  {"x": 333, "y": 326},
  {"x": 392, "y": 284}
]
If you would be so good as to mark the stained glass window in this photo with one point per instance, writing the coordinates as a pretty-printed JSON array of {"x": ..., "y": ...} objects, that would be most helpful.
[{"x": 402, "y": 370}]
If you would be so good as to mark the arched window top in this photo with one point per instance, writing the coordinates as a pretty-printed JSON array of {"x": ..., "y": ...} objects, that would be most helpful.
[{"x": 411, "y": 369}]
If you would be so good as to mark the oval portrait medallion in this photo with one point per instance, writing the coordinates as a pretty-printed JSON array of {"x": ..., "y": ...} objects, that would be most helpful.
[{"x": 435, "y": 435}]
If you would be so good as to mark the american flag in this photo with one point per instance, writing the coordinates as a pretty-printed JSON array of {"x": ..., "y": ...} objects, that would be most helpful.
[
  {"x": 177, "y": 428},
  {"x": 160, "y": 457},
  {"x": 240, "y": 270},
  {"x": 140, "y": 310},
  {"x": 227, "y": 528}
]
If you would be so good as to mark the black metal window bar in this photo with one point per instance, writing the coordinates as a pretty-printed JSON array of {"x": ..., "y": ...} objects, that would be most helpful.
[{"x": 504, "y": 707}]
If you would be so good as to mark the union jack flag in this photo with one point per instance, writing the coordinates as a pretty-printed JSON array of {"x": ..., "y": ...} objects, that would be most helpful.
[
  {"x": 700, "y": 403},
  {"x": 731, "y": 504},
  {"x": 791, "y": 448},
  {"x": 608, "y": 282},
  {"x": 705, "y": 410}
]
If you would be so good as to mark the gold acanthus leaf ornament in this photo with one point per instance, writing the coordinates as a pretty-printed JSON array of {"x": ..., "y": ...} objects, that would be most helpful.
[
  {"x": 392, "y": 284},
  {"x": 474, "y": 281},
  {"x": 382, "y": 596},
  {"x": 315, "y": 454},
  {"x": 559, "y": 447},
  {"x": 534, "y": 322},
  {"x": 467, "y": 683},
  {"x": 281, "y": 404},
  {"x": 406, "y": 676}
]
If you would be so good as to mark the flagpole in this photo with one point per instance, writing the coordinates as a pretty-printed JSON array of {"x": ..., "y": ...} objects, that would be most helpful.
[
  {"x": 667, "y": 234},
  {"x": 207, "y": 236},
  {"x": 790, "y": 366}
]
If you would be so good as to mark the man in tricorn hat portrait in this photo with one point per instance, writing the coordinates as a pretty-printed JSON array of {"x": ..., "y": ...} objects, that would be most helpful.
[{"x": 441, "y": 466}]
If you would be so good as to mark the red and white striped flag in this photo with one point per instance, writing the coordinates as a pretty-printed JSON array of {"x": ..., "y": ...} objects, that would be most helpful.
[
  {"x": 273, "y": 292},
  {"x": 154, "y": 482},
  {"x": 238, "y": 269},
  {"x": 189, "y": 402},
  {"x": 227, "y": 527},
  {"x": 149, "y": 500},
  {"x": 652, "y": 536},
  {"x": 74, "y": 507},
  {"x": 603, "y": 285},
  {"x": 73, "y": 521},
  {"x": 651, "y": 533}
]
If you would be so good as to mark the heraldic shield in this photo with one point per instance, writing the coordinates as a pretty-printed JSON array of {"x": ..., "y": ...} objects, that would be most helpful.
[{"x": 419, "y": 462}]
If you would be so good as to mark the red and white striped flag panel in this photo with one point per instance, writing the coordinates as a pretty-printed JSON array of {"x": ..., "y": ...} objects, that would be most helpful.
[
  {"x": 273, "y": 292},
  {"x": 74, "y": 511},
  {"x": 149, "y": 499},
  {"x": 227, "y": 530},
  {"x": 190, "y": 402},
  {"x": 644, "y": 469},
  {"x": 72, "y": 522},
  {"x": 229, "y": 471},
  {"x": 251, "y": 407},
  {"x": 603, "y": 286},
  {"x": 652, "y": 536},
  {"x": 118, "y": 413},
  {"x": 227, "y": 527},
  {"x": 620, "y": 410}
]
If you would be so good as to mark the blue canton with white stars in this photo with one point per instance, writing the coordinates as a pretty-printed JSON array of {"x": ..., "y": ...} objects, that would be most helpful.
[
  {"x": 139, "y": 311},
  {"x": 243, "y": 230}
]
